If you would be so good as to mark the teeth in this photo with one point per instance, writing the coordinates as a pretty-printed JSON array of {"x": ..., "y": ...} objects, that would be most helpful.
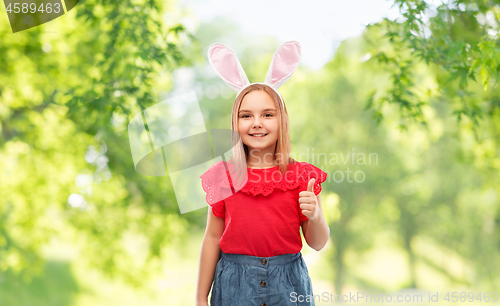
[{"x": 260, "y": 135}]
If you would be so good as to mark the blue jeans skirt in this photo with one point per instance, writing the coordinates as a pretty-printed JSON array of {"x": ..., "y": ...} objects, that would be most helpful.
[{"x": 244, "y": 280}]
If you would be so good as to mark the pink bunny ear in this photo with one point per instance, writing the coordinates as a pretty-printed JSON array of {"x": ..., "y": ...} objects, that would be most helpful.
[
  {"x": 285, "y": 61},
  {"x": 225, "y": 62}
]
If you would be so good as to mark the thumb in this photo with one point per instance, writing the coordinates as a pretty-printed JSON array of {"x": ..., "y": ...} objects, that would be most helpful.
[{"x": 310, "y": 185}]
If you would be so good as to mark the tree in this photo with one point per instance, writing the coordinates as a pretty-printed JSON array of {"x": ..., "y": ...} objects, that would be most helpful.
[
  {"x": 458, "y": 40},
  {"x": 65, "y": 158},
  {"x": 417, "y": 190}
]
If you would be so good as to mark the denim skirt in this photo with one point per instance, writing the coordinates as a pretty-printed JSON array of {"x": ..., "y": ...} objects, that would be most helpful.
[{"x": 244, "y": 280}]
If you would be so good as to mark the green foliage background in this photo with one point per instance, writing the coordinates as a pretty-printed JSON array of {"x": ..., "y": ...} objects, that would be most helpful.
[{"x": 420, "y": 93}]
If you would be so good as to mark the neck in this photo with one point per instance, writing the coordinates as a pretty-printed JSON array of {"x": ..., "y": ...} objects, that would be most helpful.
[{"x": 264, "y": 158}]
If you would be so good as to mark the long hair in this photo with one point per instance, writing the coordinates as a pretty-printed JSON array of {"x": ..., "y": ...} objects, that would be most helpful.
[{"x": 283, "y": 146}]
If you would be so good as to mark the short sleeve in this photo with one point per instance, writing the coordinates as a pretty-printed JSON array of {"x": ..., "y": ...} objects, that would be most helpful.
[
  {"x": 218, "y": 209},
  {"x": 215, "y": 183},
  {"x": 308, "y": 172}
]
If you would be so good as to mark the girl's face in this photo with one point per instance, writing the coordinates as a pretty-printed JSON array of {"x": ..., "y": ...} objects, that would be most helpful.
[{"x": 258, "y": 115}]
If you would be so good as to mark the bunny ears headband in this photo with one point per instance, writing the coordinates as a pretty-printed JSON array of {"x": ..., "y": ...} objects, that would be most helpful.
[{"x": 226, "y": 64}]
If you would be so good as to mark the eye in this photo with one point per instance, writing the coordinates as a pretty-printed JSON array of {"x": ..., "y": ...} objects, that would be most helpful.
[
  {"x": 270, "y": 115},
  {"x": 244, "y": 116}
]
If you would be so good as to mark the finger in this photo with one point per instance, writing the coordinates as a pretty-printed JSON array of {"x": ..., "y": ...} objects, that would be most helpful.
[
  {"x": 305, "y": 214},
  {"x": 306, "y": 206},
  {"x": 308, "y": 200},
  {"x": 306, "y": 193},
  {"x": 310, "y": 185}
]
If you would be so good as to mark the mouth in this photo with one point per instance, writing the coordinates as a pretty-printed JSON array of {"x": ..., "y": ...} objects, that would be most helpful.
[{"x": 258, "y": 135}]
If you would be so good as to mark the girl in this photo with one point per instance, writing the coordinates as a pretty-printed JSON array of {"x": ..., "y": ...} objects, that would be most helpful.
[{"x": 260, "y": 198}]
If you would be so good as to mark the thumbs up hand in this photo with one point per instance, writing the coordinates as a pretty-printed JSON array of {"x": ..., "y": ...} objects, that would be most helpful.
[{"x": 309, "y": 203}]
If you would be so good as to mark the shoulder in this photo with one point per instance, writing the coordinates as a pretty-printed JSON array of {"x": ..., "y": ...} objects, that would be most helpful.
[
  {"x": 214, "y": 176},
  {"x": 306, "y": 172},
  {"x": 311, "y": 170},
  {"x": 215, "y": 183},
  {"x": 215, "y": 169}
]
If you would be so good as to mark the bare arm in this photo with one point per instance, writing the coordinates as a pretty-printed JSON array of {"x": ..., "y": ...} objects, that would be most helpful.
[
  {"x": 316, "y": 232},
  {"x": 209, "y": 256}
]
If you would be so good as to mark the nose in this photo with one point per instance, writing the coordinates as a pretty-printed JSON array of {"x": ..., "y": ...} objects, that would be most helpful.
[{"x": 257, "y": 123}]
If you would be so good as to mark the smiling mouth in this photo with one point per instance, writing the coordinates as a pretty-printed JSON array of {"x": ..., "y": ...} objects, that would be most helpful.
[{"x": 258, "y": 136}]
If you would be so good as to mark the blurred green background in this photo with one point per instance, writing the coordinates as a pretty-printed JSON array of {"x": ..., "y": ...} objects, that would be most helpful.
[{"x": 418, "y": 94}]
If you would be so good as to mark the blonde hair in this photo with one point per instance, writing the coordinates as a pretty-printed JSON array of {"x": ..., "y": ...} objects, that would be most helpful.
[{"x": 283, "y": 146}]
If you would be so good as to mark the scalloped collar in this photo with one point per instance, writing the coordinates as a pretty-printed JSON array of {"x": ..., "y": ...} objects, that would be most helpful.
[{"x": 260, "y": 181}]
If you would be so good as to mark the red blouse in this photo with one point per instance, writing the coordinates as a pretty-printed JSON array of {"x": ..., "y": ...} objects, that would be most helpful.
[{"x": 263, "y": 218}]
